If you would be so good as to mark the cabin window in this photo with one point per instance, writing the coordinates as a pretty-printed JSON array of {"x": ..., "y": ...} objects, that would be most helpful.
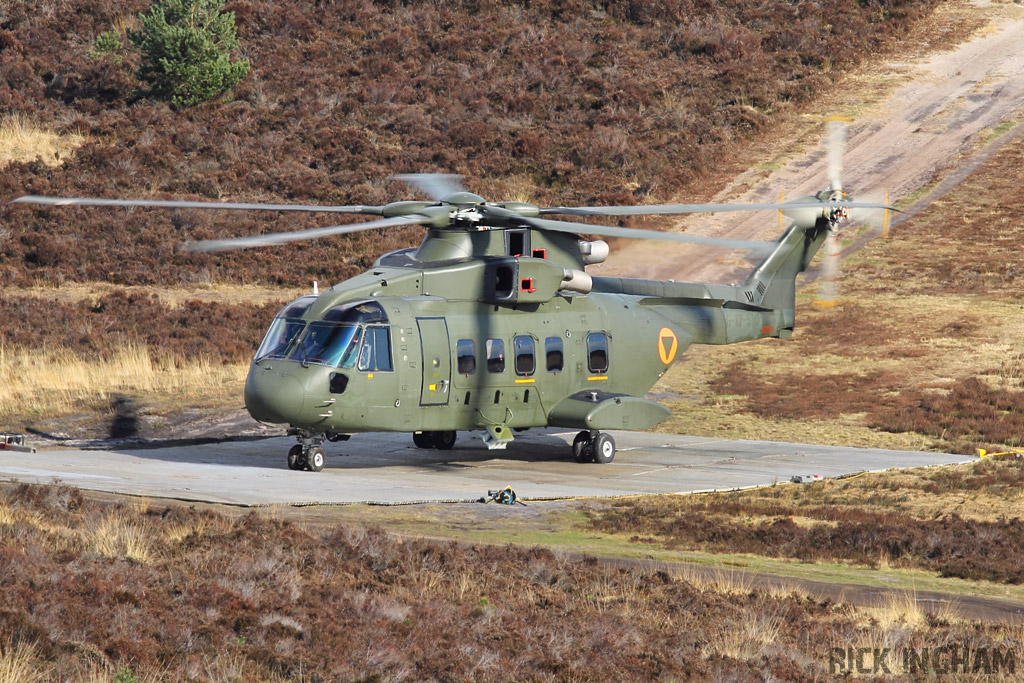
[
  {"x": 375, "y": 354},
  {"x": 526, "y": 363},
  {"x": 495, "y": 355},
  {"x": 553, "y": 352},
  {"x": 465, "y": 351},
  {"x": 597, "y": 352}
]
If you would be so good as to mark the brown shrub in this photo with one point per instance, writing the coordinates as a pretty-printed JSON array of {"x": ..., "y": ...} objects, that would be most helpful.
[{"x": 220, "y": 332}]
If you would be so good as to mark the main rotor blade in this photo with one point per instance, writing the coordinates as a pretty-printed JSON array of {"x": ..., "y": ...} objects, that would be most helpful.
[
  {"x": 836, "y": 149},
  {"x": 437, "y": 186},
  {"x": 173, "y": 204},
  {"x": 635, "y": 233},
  {"x": 299, "y": 235},
  {"x": 661, "y": 209}
]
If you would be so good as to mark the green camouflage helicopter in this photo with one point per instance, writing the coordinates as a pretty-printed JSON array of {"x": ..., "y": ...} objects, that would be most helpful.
[{"x": 492, "y": 324}]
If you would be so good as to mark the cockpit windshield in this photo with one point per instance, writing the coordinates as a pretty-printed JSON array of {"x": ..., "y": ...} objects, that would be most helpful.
[
  {"x": 328, "y": 343},
  {"x": 284, "y": 329},
  {"x": 334, "y": 340}
]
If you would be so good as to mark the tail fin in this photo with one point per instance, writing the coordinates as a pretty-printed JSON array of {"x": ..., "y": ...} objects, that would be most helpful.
[{"x": 772, "y": 284}]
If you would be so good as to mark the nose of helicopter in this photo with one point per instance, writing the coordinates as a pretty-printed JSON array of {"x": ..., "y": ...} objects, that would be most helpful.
[{"x": 273, "y": 396}]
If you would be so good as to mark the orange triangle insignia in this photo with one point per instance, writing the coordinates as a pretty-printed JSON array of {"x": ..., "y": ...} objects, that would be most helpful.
[{"x": 667, "y": 345}]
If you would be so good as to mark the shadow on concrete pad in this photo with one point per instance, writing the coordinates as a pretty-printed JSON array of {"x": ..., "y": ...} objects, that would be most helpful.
[{"x": 362, "y": 451}]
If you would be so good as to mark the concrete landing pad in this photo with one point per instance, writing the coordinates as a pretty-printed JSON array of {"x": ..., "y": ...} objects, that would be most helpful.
[{"x": 388, "y": 469}]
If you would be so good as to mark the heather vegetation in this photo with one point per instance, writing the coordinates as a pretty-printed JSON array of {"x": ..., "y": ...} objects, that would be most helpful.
[
  {"x": 174, "y": 593},
  {"x": 217, "y": 331},
  {"x": 558, "y": 102},
  {"x": 910, "y": 521}
]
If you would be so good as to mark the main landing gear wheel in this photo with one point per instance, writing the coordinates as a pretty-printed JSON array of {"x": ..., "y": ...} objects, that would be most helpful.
[
  {"x": 443, "y": 441},
  {"x": 593, "y": 447},
  {"x": 295, "y": 459},
  {"x": 581, "y": 448},
  {"x": 423, "y": 439},
  {"x": 603, "y": 447},
  {"x": 315, "y": 459}
]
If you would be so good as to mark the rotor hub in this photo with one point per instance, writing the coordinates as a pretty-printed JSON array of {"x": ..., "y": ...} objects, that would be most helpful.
[
  {"x": 468, "y": 217},
  {"x": 461, "y": 199}
]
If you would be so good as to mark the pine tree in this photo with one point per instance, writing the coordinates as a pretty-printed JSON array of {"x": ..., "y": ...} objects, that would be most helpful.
[{"x": 186, "y": 50}]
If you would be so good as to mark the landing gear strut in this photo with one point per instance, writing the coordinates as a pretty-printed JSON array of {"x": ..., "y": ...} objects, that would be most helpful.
[
  {"x": 593, "y": 447},
  {"x": 307, "y": 454}
]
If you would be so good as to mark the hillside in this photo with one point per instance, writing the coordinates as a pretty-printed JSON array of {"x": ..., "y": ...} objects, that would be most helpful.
[
  {"x": 560, "y": 102},
  {"x": 923, "y": 352}
]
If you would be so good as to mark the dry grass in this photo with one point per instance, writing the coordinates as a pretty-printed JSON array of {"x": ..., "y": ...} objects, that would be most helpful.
[
  {"x": 117, "y": 536},
  {"x": 21, "y": 140},
  {"x": 194, "y": 528},
  {"x": 171, "y": 297},
  {"x": 60, "y": 382},
  {"x": 18, "y": 662},
  {"x": 717, "y": 580},
  {"x": 983, "y": 490},
  {"x": 747, "y": 639},
  {"x": 900, "y": 609},
  {"x": 7, "y": 515}
]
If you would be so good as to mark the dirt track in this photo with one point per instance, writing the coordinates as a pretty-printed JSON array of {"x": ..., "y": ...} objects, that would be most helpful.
[{"x": 938, "y": 120}]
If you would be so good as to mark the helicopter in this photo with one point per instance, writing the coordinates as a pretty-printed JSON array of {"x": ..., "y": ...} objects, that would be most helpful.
[{"x": 493, "y": 325}]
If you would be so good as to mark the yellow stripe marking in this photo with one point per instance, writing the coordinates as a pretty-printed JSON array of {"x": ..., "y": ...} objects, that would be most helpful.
[
  {"x": 598, "y": 377},
  {"x": 525, "y": 381}
]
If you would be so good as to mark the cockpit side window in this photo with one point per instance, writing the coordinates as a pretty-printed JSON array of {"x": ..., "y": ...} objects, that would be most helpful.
[{"x": 375, "y": 354}]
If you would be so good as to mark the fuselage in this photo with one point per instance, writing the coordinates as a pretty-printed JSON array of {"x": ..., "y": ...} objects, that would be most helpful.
[
  {"x": 479, "y": 329},
  {"x": 431, "y": 361}
]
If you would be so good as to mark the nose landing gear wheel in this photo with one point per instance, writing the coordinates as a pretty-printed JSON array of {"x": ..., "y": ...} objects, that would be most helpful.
[{"x": 315, "y": 459}]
